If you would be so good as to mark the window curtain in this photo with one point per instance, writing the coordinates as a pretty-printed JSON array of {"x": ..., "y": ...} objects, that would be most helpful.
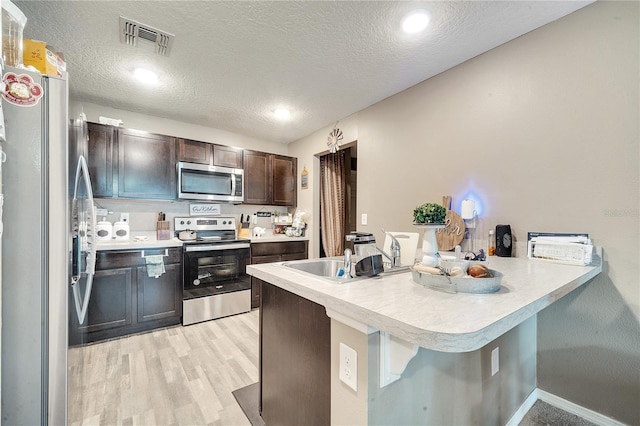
[{"x": 332, "y": 197}]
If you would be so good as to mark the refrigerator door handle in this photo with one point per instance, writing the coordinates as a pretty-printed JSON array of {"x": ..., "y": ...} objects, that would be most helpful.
[{"x": 84, "y": 241}]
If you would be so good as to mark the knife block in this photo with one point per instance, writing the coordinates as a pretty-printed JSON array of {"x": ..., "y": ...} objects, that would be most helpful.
[
  {"x": 163, "y": 232},
  {"x": 244, "y": 232}
]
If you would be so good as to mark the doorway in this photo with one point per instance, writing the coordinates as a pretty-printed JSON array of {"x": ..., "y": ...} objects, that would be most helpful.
[{"x": 338, "y": 199}]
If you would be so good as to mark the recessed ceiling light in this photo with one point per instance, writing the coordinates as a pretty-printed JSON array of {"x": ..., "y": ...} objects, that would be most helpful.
[
  {"x": 415, "y": 22},
  {"x": 282, "y": 114},
  {"x": 145, "y": 76}
]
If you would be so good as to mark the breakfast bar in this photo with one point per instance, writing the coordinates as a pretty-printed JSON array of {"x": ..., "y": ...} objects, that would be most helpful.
[{"x": 424, "y": 356}]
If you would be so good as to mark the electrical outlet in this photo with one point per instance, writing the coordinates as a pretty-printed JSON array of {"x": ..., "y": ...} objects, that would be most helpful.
[
  {"x": 364, "y": 219},
  {"x": 495, "y": 361},
  {"x": 124, "y": 217},
  {"x": 349, "y": 366}
]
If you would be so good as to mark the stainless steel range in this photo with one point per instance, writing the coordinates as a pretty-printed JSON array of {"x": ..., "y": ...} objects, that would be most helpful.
[{"x": 215, "y": 282}]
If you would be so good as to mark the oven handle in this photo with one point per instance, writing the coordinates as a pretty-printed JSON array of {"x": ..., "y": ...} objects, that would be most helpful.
[{"x": 216, "y": 247}]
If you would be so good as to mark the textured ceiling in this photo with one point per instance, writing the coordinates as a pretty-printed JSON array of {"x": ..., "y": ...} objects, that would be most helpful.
[{"x": 232, "y": 63}]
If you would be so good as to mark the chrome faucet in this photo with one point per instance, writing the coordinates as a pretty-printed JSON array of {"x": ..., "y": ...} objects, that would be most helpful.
[
  {"x": 395, "y": 251},
  {"x": 347, "y": 263}
]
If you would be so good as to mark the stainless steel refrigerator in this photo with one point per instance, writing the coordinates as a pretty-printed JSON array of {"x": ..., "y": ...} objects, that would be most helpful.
[{"x": 36, "y": 248}]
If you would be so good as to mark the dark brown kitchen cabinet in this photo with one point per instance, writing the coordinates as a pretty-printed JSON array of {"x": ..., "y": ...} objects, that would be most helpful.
[
  {"x": 194, "y": 151},
  {"x": 227, "y": 156},
  {"x": 100, "y": 159},
  {"x": 211, "y": 154},
  {"x": 126, "y": 163},
  {"x": 146, "y": 165},
  {"x": 295, "y": 359},
  {"x": 160, "y": 297},
  {"x": 270, "y": 179},
  {"x": 269, "y": 252},
  {"x": 125, "y": 300}
]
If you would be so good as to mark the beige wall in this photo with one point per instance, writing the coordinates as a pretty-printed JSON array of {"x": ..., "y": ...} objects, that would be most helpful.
[{"x": 545, "y": 131}]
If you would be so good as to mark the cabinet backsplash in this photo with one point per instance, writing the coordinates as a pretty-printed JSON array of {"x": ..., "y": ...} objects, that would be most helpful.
[{"x": 143, "y": 214}]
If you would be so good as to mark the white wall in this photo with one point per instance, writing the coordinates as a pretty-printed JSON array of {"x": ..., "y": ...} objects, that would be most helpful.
[{"x": 544, "y": 130}]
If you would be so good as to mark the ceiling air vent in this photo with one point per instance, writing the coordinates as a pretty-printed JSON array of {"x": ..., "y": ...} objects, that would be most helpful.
[{"x": 144, "y": 36}]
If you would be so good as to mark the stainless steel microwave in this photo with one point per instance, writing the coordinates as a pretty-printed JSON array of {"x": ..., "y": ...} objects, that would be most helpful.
[{"x": 211, "y": 183}]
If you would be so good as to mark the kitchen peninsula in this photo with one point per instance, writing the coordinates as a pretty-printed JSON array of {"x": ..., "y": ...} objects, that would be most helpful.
[{"x": 423, "y": 356}]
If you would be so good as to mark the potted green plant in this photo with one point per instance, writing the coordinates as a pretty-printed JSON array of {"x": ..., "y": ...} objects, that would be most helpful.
[
  {"x": 429, "y": 216},
  {"x": 429, "y": 213}
]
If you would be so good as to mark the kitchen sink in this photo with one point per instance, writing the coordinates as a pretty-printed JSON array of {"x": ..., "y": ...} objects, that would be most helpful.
[
  {"x": 325, "y": 268},
  {"x": 328, "y": 268}
]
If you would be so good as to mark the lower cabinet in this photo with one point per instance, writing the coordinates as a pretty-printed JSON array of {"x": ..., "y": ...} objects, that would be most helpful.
[
  {"x": 125, "y": 299},
  {"x": 278, "y": 251}
]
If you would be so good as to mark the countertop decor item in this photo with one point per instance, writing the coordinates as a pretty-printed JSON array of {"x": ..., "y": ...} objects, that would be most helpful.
[
  {"x": 453, "y": 233},
  {"x": 431, "y": 216},
  {"x": 464, "y": 284}
]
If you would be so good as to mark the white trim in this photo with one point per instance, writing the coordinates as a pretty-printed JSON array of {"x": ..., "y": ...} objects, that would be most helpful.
[
  {"x": 524, "y": 409},
  {"x": 563, "y": 404},
  {"x": 573, "y": 408},
  {"x": 356, "y": 325}
]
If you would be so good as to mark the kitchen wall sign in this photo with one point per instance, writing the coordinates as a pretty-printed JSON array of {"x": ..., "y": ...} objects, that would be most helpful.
[
  {"x": 204, "y": 209},
  {"x": 21, "y": 90},
  {"x": 453, "y": 232}
]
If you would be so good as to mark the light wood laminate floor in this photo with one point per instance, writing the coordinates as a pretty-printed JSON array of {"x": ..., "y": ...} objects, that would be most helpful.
[{"x": 172, "y": 376}]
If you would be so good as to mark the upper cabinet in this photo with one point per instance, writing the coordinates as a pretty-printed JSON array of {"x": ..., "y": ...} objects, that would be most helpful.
[
  {"x": 146, "y": 165},
  {"x": 131, "y": 163},
  {"x": 206, "y": 153},
  {"x": 270, "y": 179},
  {"x": 100, "y": 159},
  {"x": 125, "y": 163}
]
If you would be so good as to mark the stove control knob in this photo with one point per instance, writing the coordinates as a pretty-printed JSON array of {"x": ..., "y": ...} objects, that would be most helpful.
[
  {"x": 196, "y": 282},
  {"x": 188, "y": 222},
  {"x": 182, "y": 222},
  {"x": 224, "y": 222}
]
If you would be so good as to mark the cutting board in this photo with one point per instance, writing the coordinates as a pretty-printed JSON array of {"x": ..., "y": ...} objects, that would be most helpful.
[{"x": 453, "y": 233}]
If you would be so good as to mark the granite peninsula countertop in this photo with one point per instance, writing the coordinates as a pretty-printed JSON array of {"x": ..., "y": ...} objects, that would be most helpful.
[{"x": 434, "y": 319}]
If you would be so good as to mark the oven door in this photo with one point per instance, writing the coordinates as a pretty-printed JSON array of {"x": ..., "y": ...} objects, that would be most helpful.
[{"x": 213, "y": 269}]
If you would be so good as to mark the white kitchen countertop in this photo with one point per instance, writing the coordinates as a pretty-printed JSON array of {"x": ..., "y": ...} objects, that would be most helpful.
[
  {"x": 276, "y": 238},
  {"x": 153, "y": 242},
  {"x": 132, "y": 244},
  {"x": 433, "y": 319}
]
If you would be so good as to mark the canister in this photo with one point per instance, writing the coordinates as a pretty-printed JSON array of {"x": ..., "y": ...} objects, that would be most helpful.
[
  {"x": 121, "y": 230},
  {"x": 104, "y": 230}
]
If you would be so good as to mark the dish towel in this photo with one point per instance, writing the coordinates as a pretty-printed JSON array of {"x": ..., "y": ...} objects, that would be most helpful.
[{"x": 155, "y": 265}]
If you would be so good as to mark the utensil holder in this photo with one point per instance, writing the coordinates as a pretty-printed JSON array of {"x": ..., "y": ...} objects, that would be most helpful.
[{"x": 163, "y": 232}]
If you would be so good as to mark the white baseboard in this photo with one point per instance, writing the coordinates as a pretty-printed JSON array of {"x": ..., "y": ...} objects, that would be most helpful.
[
  {"x": 578, "y": 410},
  {"x": 524, "y": 409},
  {"x": 563, "y": 404}
]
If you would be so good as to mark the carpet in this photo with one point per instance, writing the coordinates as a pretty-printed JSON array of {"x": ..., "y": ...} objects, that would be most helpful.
[
  {"x": 247, "y": 398},
  {"x": 544, "y": 414}
]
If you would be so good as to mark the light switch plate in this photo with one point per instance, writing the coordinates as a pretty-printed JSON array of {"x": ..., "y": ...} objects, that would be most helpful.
[
  {"x": 495, "y": 361},
  {"x": 349, "y": 366},
  {"x": 124, "y": 217},
  {"x": 364, "y": 219}
]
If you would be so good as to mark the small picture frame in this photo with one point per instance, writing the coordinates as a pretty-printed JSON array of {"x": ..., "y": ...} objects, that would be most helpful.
[{"x": 304, "y": 178}]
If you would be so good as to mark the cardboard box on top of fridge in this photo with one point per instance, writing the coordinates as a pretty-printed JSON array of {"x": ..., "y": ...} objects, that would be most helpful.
[{"x": 43, "y": 59}]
